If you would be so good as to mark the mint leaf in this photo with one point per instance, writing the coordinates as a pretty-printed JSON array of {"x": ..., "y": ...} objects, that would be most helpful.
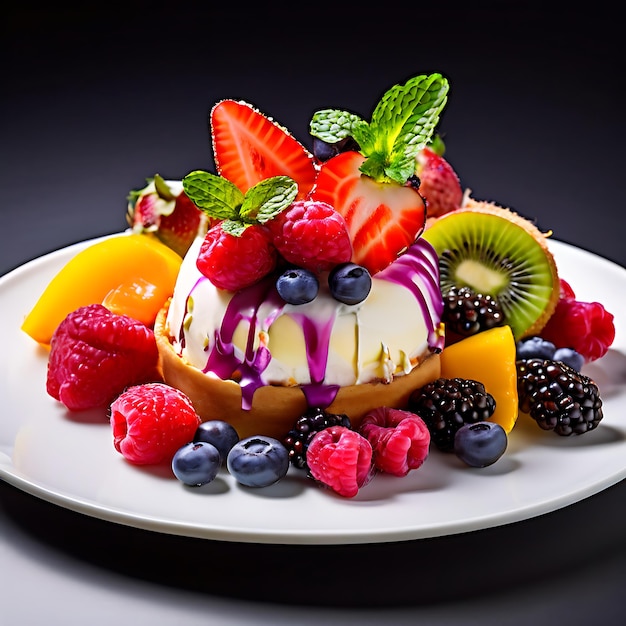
[
  {"x": 363, "y": 135},
  {"x": 214, "y": 195},
  {"x": 268, "y": 198},
  {"x": 405, "y": 118},
  {"x": 331, "y": 125}
]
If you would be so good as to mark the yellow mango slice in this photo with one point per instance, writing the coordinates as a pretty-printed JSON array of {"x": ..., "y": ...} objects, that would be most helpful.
[
  {"x": 488, "y": 357},
  {"x": 130, "y": 273}
]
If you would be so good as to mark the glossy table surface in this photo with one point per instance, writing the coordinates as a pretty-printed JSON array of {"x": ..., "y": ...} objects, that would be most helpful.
[{"x": 96, "y": 102}]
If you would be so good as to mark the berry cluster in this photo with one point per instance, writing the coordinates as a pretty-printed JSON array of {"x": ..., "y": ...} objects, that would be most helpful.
[
  {"x": 395, "y": 441},
  {"x": 466, "y": 312},
  {"x": 344, "y": 459},
  {"x": 558, "y": 397}
]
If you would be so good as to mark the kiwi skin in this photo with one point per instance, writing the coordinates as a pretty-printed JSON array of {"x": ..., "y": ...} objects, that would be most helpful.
[{"x": 496, "y": 251}]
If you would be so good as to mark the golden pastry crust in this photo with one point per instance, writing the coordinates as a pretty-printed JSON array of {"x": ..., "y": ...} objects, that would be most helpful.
[{"x": 275, "y": 409}]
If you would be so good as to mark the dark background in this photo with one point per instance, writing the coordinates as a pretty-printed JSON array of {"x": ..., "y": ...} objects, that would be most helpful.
[{"x": 98, "y": 97}]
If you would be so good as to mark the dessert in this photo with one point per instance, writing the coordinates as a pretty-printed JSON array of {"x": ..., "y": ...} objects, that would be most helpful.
[
  {"x": 341, "y": 308},
  {"x": 372, "y": 331},
  {"x": 361, "y": 361}
]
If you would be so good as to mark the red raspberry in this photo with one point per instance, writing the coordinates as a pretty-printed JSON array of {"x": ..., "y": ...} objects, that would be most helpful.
[
  {"x": 587, "y": 327},
  {"x": 341, "y": 459},
  {"x": 95, "y": 354},
  {"x": 151, "y": 422},
  {"x": 233, "y": 262},
  {"x": 312, "y": 235},
  {"x": 566, "y": 290},
  {"x": 400, "y": 440}
]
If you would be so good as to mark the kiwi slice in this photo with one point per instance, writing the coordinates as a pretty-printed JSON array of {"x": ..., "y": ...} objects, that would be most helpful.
[{"x": 495, "y": 251}]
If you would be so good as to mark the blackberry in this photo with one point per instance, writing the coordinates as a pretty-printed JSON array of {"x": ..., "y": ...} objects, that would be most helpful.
[
  {"x": 446, "y": 404},
  {"x": 466, "y": 312},
  {"x": 307, "y": 425},
  {"x": 558, "y": 397}
]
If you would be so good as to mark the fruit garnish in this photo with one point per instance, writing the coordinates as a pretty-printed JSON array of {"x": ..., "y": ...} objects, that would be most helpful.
[
  {"x": 496, "y": 252},
  {"x": 340, "y": 459},
  {"x": 96, "y": 354},
  {"x": 219, "y": 433},
  {"x": 439, "y": 183},
  {"x": 466, "y": 312},
  {"x": 196, "y": 463},
  {"x": 237, "y": 251},
  {"x": 305, "y": 428},
  {"x": 311, "y": 234},
  {"x": 140, "y": 270},
  {"x": 163, "y": 209},
  {"x": 480, "y": 444},
  {"x": 400, "y": 440},
  {"x": 474, "y": 358},
  {"x": 446, "y": 404},
  {"x": 383, "y": 219},
  {"x": 258, "y": 461},
  {"x": 369, "y": 186},
  {"x": 249, "y": 147},
  {"x": 349, "y": 283},
  {"x": 233, "y": 262},
  {"x": 558, "y": 397},
  {"x": 297, "y": 285},
  {"x": 586, "y": 327},
  {"x": 151, "y": 422}
]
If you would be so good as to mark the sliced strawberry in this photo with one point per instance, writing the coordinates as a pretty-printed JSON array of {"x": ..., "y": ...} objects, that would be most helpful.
[
  {"x": 383, "y": 218},
  {"x": 249, "y": 147}
]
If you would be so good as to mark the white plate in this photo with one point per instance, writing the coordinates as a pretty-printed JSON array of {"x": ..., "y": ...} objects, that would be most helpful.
[{"x": 70, "y": 460}]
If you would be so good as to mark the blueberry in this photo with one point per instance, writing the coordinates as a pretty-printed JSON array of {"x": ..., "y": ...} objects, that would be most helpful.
[
  {"x": 570, "y": 357},
  {"x": 324, "y": 150},
  {"x": 258, "y": 461},
  {"x": 196, "y": 463},
  {"x": 480, "y": 444},
  {"x": 219, "y": 433},
  {"x": 349, "y": 283},
  {"x": 297, "y": 285},
  {"x": 535, "y": 348}
]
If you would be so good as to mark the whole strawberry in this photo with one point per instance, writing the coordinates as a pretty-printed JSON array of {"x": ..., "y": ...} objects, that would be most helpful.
[
  {"x": 95, "y": 354},
  {"x": 237, "y": 251},
  {"x": 163, "y": 208},
  {"x": 312, "y": 235},
  {"x": 151, "y": 422},
  {"x": 439, "y": 183}
]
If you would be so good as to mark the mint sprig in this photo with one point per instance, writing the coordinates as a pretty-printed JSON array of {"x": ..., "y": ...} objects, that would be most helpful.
[
  {"x": 402, "y": 123},
  {"x": 223, "y": 200}
]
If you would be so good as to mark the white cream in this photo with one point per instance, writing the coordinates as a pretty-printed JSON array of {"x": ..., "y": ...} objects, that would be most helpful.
[{"x": 384, "y": 336}]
